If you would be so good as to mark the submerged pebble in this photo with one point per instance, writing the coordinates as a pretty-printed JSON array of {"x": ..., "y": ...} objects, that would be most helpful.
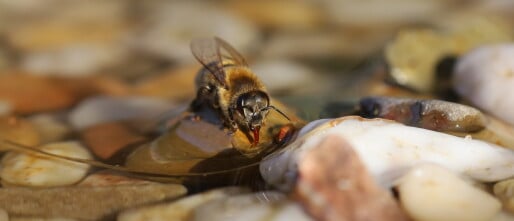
[
  {"x": 389, "y": 149},
  {"x": 23, "y": 169},
  {"x": 430, "y": 193},
  {"x": 485, "y": 77}
]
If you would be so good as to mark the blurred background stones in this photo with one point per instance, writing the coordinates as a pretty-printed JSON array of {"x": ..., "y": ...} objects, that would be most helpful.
[{"x": 88, "y": 78}]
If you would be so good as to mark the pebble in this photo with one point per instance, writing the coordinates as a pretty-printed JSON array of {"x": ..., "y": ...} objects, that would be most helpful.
[
  {"x": 105, "y": 139},
  {"x": 23, "y": 169},
  {"x": 505, "y": 192},
  {"x": 5, "y": 108},
  {"x": 285, "y": 76},
  {"x": 333, "y": 184},
  {"x": 75, "y": 39},
  {"x": 429, "y": 193},
  {"x": 50, "y": 127},
  {"x": 110, "y": 178},
  {"x": 270, "y": 14},
  {"x": 379, "y": 14},
  {"x": 30, "y": 94},
  {"x": 103, "y": 109},
  {"x": 18, "y": 130},
  {"x": 389, "y": 149},
  {"x": 84, "y": 203},
  {"x": 267, "y": 205},
  {"x": 166, "y": 33},
  {"x": 180, "y": 210},
  {"x": 414, "y": 54},
  {"x": 484, "y": 76},
  {"x": 180, "y": 79}
]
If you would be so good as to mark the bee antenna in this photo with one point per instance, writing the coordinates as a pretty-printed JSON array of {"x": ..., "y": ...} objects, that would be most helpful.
[{"x": 277, "y": 110}]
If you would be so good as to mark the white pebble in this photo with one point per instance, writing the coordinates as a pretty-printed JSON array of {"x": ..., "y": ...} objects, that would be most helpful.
[
  {"x": 431, "y": 193},
  {"x": 390, "y": 149},
  {"x": 485, "y": 77},
  {"x": 24, "y": 169},
  {"x": 108, "y": 109}
]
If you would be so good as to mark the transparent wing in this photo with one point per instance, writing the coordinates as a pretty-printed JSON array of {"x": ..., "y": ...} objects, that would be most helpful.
[
  {"x": 207, "y": 52},
  {"x": 232, "y": 52}
]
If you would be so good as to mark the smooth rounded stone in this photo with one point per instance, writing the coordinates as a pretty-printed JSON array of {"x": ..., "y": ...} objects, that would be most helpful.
[
  {"x": 430, "y": 193},
  {"x": 284, "y": 75},
  {"x": 105, "y": 139},
  {"x": 19, "y": 131},
  {"x": 32, "y": 170},
  {"x": 49, "y": 127},
  {"x": 84, "y": 203},
  {"x": 29, "y": 94},
  {"x": 103, "y": 109},
  {"x": 333, "y": 184},
  {"x": 167, "y": 33},
  {"x": 389, "y": 149},
  {"x": 270, "y": 14},
  {"x": 180, "y": 210},
  {"x": 485, "y": 76},
  {"x": 504, "y": 190},
  {"x": 180, "y": 79},
  {"x": 269, "y": 206},
  {"x": 110, "y": 178}
]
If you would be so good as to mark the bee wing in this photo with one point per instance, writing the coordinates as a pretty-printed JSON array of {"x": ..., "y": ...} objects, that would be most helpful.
[
  {"x": 232, "y": 52},
  {"x": 207, "y": 52}
]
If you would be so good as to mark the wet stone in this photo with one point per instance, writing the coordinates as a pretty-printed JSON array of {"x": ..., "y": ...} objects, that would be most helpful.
[
  {"x": 333, "y": 184},
  {"x": 83, "y": 203}
]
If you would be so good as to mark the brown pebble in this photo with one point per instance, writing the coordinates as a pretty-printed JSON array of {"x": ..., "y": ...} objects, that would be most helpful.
[
  {"x": 104, "y": 140},
  {"x": 19, "y": 131},
  {"x": 84, "y": 203},
  {"x": 333, "y": 184},
  {"x": 29, "y": 94}
]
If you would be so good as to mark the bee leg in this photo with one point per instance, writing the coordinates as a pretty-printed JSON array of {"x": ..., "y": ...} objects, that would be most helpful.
[{"x": 202, "y": 95}]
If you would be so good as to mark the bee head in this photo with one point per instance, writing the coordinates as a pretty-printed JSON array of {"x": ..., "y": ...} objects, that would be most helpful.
[{"x": 252, "y": 107}]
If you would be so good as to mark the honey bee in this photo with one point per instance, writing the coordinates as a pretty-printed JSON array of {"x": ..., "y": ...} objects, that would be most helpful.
[{"x": 227, "y": 85}]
